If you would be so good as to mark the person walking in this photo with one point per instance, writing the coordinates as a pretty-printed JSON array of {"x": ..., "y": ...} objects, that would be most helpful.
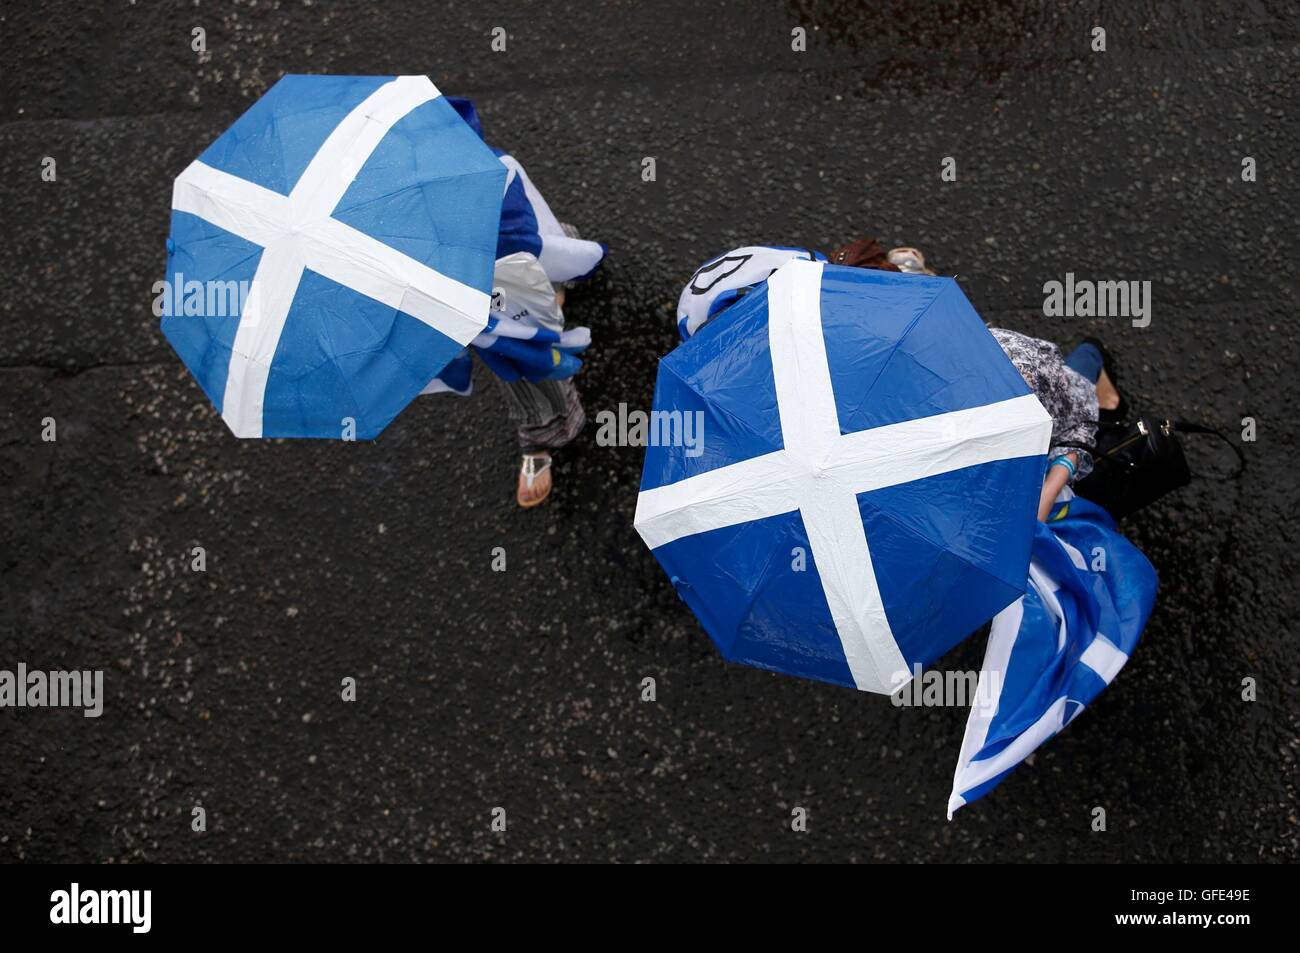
[
  {"x": 531, "y": 353},
  {"x": 1076, "y": 390}
]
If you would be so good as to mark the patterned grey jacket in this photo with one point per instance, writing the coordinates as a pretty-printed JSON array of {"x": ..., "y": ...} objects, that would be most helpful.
[{"x": 1066, "y": 394}]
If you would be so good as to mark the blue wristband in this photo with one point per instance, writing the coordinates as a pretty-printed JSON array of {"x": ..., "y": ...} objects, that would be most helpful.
[{"x": 1064, "y": 461}]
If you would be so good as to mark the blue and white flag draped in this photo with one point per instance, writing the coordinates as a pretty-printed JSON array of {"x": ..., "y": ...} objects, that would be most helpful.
[
  {"x": 1051, "y": 652},
  {"x": 353, "y": 220},
  {"x": 525, "y": 337},
  {"x": 723, "y": 280}
]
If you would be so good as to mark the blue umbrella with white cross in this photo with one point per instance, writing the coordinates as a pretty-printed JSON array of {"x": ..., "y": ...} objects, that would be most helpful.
[
  {"x": 865, "y": 490},
  {"x": 330, "y": 253}
]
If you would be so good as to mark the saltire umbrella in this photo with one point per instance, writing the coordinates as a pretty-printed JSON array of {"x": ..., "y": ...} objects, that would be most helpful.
[
  {"x": 348, "y": 225},
  {"x": 864, "y": 495},
  {"x": 1052, "y": 652}
]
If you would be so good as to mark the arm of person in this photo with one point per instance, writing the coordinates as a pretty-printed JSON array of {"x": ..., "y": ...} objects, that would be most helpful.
[{"x": 1057, "y": 476}]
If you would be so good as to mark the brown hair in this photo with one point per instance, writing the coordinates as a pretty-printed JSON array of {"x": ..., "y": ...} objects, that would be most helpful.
[{"x": 862, "y": 253}]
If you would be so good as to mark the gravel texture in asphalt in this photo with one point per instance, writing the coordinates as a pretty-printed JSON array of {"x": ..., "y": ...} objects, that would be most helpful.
[{"x": 522, "y": 689}]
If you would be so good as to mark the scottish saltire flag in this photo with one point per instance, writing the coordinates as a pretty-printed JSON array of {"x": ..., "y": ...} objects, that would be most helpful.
[
  {"x": 721, "y": 281},
  {"x": 866, "y": 489},
  {"x": 525, "y": 337},
  {"x": 1051, "y": 652},
  {"x": 357, "y": 218},
  {"x": 527, "y": 222}
]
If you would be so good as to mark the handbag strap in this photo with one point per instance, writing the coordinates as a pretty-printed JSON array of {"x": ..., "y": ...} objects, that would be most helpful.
[
  {"x": 1179, "y": 426},
  {"x": 1186, "y": 426}
]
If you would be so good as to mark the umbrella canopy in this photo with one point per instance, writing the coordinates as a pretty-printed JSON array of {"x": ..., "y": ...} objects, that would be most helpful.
[
  {"x": 330, "y": 253},
  {"x": 864, "y": 493}
]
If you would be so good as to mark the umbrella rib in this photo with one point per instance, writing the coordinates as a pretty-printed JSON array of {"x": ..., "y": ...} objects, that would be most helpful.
[
  {"x": 715, "y": 409},
  {"x": 915, "y": 320}
]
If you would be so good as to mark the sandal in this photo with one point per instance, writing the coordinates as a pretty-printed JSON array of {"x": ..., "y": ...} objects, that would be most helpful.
[
  {"x": 1120, "y": 411},
  {"x": 534, "y": 465}
]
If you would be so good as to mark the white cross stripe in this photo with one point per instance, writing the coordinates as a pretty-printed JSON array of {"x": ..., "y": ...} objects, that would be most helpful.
[
  {"x": 805, "y": 400},
  {"x": 820, "y": 472},
  {"x": 298, "y": 232},
  {"x": 270, "y": 296}
]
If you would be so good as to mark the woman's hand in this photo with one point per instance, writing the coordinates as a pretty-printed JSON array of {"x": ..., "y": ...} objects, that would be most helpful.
[{"x": 1057, "y": 477}]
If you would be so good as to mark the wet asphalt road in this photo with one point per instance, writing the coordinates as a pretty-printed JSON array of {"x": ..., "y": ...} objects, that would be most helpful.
[{"x": 522, "y": 690}]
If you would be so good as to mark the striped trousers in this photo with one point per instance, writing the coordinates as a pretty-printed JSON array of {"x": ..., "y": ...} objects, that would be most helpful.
[{"x": 547, "y": 415}]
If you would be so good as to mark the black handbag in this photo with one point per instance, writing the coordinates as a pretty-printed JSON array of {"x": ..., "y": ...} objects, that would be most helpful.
[{"x": 1135, "y": 464}]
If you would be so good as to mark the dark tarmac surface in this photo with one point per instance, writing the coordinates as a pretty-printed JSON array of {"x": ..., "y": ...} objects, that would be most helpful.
[{"x": 522, "y": 690}]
